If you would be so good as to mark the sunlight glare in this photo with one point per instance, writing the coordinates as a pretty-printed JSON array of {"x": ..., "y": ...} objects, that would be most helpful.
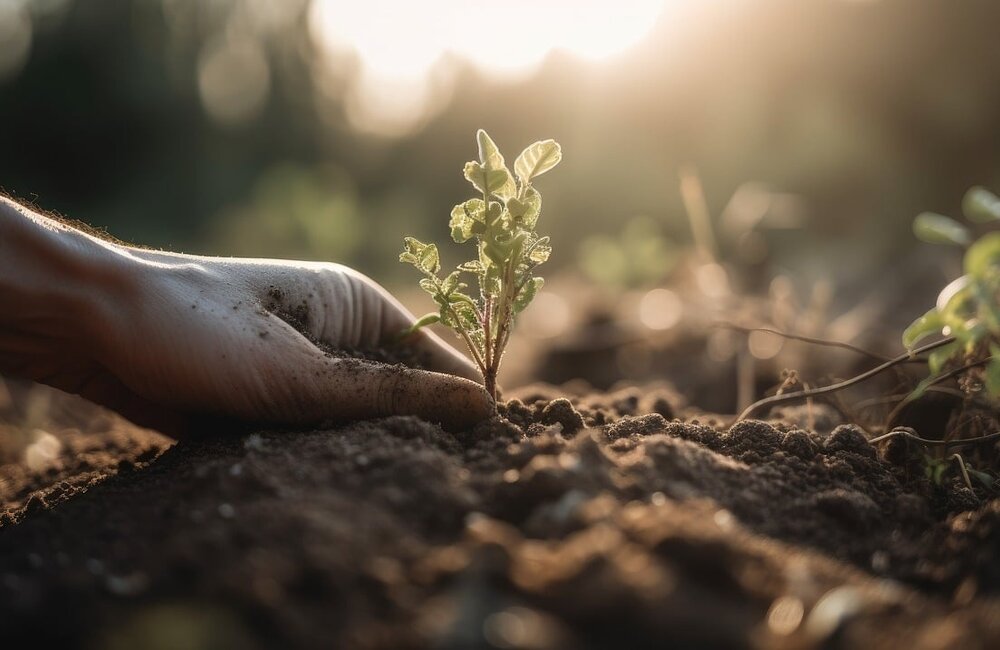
[{"x": 404, "y": 48}]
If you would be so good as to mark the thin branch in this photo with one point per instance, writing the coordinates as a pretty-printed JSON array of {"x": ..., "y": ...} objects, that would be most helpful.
[
  {"x": 907, "y": 432},
  {"x": 805, "y": 339},
  {"x": 822, "y": 390},
  {"x": 961, "y": 466}
]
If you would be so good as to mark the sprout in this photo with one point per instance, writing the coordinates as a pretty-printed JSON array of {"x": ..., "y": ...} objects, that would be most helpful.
[{"x": 501, "y": 222}]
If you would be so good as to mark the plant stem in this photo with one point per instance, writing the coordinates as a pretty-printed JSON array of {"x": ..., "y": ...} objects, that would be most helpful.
[
  {"x": 906, "y": 432},
  {"x": 805, "y": 339},
  {"x": 937, "y": 380}
]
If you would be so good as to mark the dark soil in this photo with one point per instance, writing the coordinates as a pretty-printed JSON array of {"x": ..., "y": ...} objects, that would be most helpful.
[{"x": 612, "y": 520}]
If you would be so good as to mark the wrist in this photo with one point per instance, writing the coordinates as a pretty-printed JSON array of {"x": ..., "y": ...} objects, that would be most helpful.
[{"x": 57, "y": 280}]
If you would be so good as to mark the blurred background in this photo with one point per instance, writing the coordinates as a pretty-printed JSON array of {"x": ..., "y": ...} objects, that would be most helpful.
[{"x": 751, "y": 162}]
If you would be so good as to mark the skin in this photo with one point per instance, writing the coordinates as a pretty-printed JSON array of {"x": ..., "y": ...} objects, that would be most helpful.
[{"x": 177, "y": 341}]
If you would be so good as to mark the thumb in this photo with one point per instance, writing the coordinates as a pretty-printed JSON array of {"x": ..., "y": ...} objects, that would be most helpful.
[{"x": 361, "y": 389}]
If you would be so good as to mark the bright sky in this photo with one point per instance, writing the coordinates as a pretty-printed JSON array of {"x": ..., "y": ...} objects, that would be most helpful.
[{"x": 404, "y": 47}]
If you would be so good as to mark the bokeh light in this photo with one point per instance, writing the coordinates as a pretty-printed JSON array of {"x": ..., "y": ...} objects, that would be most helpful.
[{"x": 407, "y": 52}]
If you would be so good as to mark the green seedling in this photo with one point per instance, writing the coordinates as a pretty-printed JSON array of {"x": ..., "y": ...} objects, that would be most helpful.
[
  {"x": 501, "y": 223},
  {"x": 967, "y": 309}
]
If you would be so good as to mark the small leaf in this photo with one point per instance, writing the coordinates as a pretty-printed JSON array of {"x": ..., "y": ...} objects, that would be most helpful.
[
  {"x": 992, "y": 372},
  {"x": 465, "y": 313},
  {"x": 984, "y": 478},
  {"x": 496, "y": 252},
  {"x": 929, "y": 323},
  {"x": 495, "y": 213},
  {"x": 937, "y": 359},
  {"x": 921, "y": 388},
  {"x": 938, "y": 473},
  {"x": 429, "y": 286},
  {"x": 492, "y": 160},
  {"x": 424, "y": 321},
  {"x": 938, "y": 229},
  {"x": 413, "y": 245},
  {"x": 489, "y": 153},
  {"x": 540, "y": 251},
  {"x": 527, "y": 294},
  {"x": 430, "y": 262},
  {"x": 450, "y": 283},
  {"x": 464, "y": 218},
  {"x": 952, "y": 296},
  {"x": 458, "y": 296},
  {"x": 494, "y": 181},
  {"x": 981, "y": 205},
  {"x": 475, "y": 266},
  {"x": 516, "y": 208},
  {"x": 537, "y": 159},
  {"x": 530, "y": 207},
  {"x": 983, "y": 255}
]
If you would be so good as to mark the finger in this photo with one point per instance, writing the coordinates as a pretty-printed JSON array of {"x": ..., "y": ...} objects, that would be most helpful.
[
  {"x": 359, "y": 389},
  {"x": 349, "y": 310},
  {"x": 441, "y": 357}
]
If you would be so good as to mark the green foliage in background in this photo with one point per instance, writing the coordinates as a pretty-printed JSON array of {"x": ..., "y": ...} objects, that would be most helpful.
[
  {"x": 294, "y": 211},
  {"x": 502, "y": 225},
  {"x": 639, "y": 256},
  {"x": 968, "y": 308}
]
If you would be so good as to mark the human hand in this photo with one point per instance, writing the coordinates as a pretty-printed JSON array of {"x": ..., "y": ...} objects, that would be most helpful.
[{"x": 169, "y": 340}]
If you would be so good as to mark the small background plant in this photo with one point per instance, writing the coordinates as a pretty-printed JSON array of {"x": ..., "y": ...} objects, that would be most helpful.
[
  {"x": 967, "y": 313},
  {"x": 967, "y": 309},
  {"x": 502, "y": 225}
]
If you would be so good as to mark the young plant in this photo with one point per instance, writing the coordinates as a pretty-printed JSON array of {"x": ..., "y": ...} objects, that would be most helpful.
[
  {"x": 501, "y": 222},
  {"x": 967, "y": 309}
]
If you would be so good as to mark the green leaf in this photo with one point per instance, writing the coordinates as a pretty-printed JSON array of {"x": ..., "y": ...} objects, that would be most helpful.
[
  {"x": 537, "y": 159},
  {"x": 953, "y": 293},
  {"x": 424, "y": 321},
  {"x": 494, "y": 214},
  {"x": 540, "y": 251},
  {"x": 981, "y": 205},
  {"x": 474, "y": 266},
  {"x": 465, "y": 217},
  {"x": 527, "y": 294},
  {"x": 516, "y": 208},
  {"x": 938, "y": 229},
  {"x": 451, "y": 283},
  {"x": 937, "y": 474},
  {"x": 430, "y": 261},
  {"x": 983, "y": 255},
  {"x": 489, "y": 153},
  {"x": 459, "y": 314},
  {"x": 992, "y": 372},
  {"x": 985, "y": 478},
  {"x": 526, "y": 209},
  {"x": 929, "y": 323},
  {"x": 494, "y": 181},
  {"x": 429, "y": 286},
  {"x": 458, "y": 296},
  {"x": 939, "y": 357},
  {"x": 496, "y": 252},
  {"x": 921, "y": 388},
  {"x": 492, "y": 160},
  {"x": 421, "y": 255}
]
